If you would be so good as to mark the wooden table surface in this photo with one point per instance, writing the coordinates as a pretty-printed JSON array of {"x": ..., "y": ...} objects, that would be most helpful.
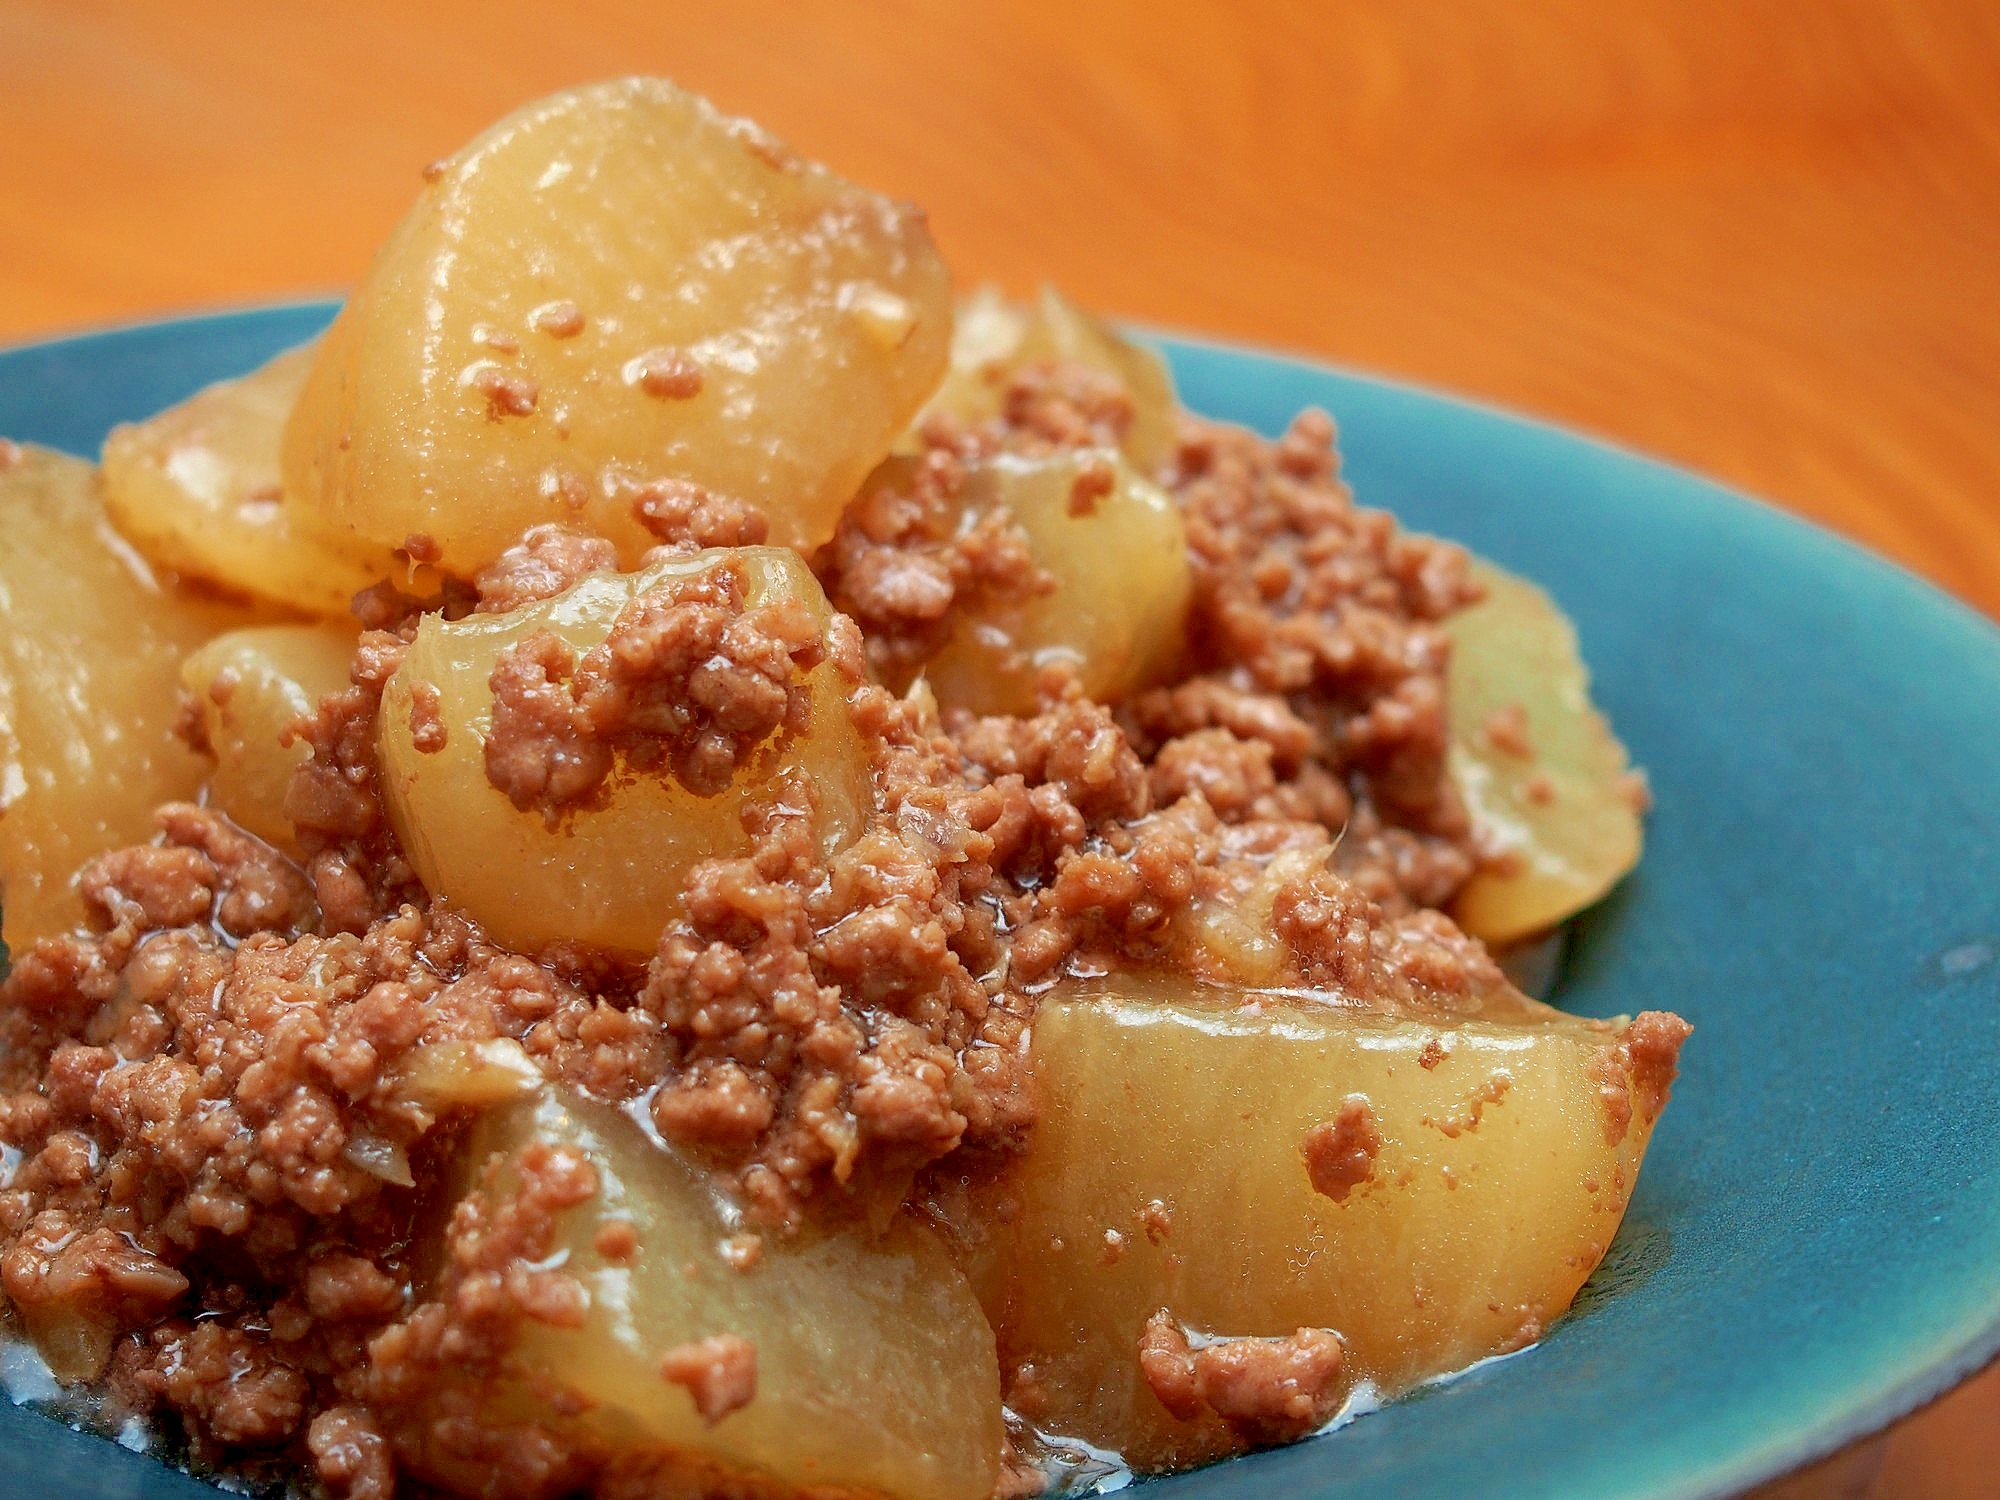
[{"x": 1760, "y": 238}]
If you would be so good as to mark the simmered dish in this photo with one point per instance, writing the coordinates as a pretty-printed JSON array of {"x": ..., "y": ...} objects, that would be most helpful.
[{"x": 670, "y": 864}]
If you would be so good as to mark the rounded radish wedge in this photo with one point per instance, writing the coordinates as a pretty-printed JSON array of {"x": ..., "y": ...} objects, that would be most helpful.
[{"x": 615, "y": 286}]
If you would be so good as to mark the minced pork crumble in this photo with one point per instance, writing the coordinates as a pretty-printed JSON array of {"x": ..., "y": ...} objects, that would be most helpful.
[{"x": 216, "y": 1204}]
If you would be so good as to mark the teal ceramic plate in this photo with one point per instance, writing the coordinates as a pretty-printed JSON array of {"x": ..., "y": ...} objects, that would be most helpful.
[{"x": 1815, "y": 1245}]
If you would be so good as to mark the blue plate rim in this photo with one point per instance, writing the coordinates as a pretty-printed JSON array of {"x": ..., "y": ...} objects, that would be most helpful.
[{"x": 1758, "y": 1464}]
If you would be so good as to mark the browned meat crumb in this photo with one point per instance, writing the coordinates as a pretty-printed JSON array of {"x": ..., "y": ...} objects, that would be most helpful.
[
  {"x": 909, "y": 550},
  {"x": 1637, "y": 1070},
  {"x": 358, "y": 875},
  {"x": 495, "y": 1275},
  {"x": 616, "y": 1239},
  {"x": 560, "y": 483},
  {"x": 350, "y": 1455},
  {"x": 1340, "y": 1153},
  {"x": 239, "y": 1390},
  {"x": 559, "y": 320},
  {"x": 1653, "y": 1044},
  {"x": 1058, "y": 404},
  {"x": 190, "y": 724},
  {"x": 1315, "y": 630},
  {"x": 547, "y": 560},
  {"x": 823, "y": 1009},
  {"x": 720, "y": 1372},
  {"x": 507, "y": 393},
  {"x": 342, "y": 1288},
  {"x": 1273, "y": 1390},
  {"x": 690, "y": 682},
  {"x": 1492, "y": 1091},
  {"x": 1346, "y": 942},
  {"x": 1269, "y": 1390},
  {"x": 1167, "y": 1361},
  {"x": 668, "y": 374},
  {"x": 1157, "y": 1220},
  {"x": 428, "y": 731},
  {"x": 1096, "y": 480},
  {"x": 150, "y": 887},
  {"x": 684, "y": 516}
]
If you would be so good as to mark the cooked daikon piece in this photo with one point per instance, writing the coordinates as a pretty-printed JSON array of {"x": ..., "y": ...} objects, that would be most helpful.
[
  {"x": 1546, "y": 780},
  {"x": 615, "y": 285},
  {"x": 91, "y": 640},
  {"x": 1115, "y": 551},
  {"x": 250, "y": 687},
  {"x": 835, "y": 1357},
  {"x": 196, "y": 489},
  {"x": 1427, "y": 1191},
  {"x": 609, "y": 868},
  {"x": 993, "y": 339}
]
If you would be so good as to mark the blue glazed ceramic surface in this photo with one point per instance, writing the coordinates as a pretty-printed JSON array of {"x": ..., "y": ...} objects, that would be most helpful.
[{"x": 1815, "y": 1246}]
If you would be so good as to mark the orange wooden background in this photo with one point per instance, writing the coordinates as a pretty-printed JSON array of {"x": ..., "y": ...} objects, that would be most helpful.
[{"x": 1757, "y": 237}]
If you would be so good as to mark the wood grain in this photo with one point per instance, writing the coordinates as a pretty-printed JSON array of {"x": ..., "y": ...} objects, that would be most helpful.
[
  {"x": 1757, "y": 237},
  {"x": 1752, "y": 236}
]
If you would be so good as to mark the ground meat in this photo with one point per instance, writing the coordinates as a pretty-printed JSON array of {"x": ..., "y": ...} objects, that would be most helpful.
[
  {"x": 350, "y": 1455},
  {"x": 211, "y": 1194},
  {"x": 1054, "y": 404},
  {"x": 229, "y": 1380},
  {"x": 720, "y": 1372},
  {"x": 357, "y": 873},
  {"x": 559, "y": 320},
  {"x": 829, "y": 1013},
  {"x": 1273, "y": 1390},
  {"x": 547, "y": 560},
  {"x": 227, "y": 1191},
  {"x": 1345, "y": 941},
  {"x": 1269, "y": 1390},
  {"x": 150, "y": 887},
  {"x": 428, "y": 731},
  {"x": 508, "y": 393},
  {"x": 616, "y": 1239},
  {"x": 690, "y": 682},
  {"x": 1315, "y": 633},
  {"x": 685, "y": 517},
  {"x": 915, "y": 551},
  {"x": 666, "y": 374},
  {"x": 1492, "y": 1091},
  {"x": 1638, "y": 1069},
  {"x": 1653, "y": 1047},
  {"x": 496, "y": 1278},
  {"x": 1340, "y": 1153},
  {"x": 1317, "y": 690}
]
